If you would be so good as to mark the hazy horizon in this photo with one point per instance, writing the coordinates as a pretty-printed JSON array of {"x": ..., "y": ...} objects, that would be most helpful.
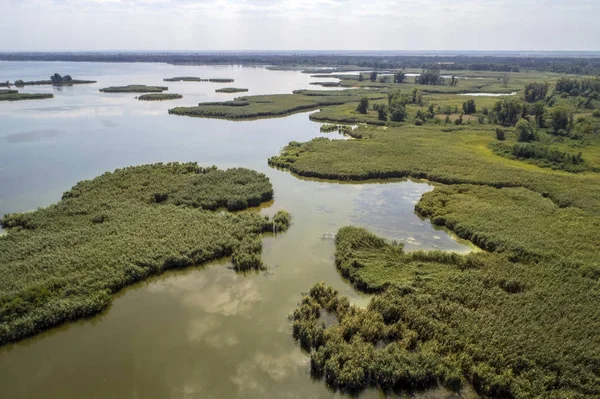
[{"x": 299, "y": 25}]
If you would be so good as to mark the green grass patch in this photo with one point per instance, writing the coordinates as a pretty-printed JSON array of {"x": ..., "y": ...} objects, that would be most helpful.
[
  {"x": 196, "y": 79},
  {"x": 231, "y": 90},
  {"x": 63, "y": 262},
  {"x": 265, "y": 106},
  {"x": 134, "y": 89},
  {"x": 13, "y": 95},
  {"x": 159, "y": 97}
]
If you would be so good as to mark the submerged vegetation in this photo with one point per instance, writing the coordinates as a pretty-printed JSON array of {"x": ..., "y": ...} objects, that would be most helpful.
[
  {"x": 159, "y": 97},
  {"x": 134, "y": 89},
  {"x": 63, "y": 262},
  {"x": 231, "y": 90}
]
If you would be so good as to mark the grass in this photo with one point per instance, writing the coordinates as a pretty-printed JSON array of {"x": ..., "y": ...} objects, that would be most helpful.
[
  {"x": 134, "y": 89},
  {"x": 14, "y": 95},
  {"x": 159, "y": 97},
  {"x": 511, "y": 330},
  {"x": 196, "y": 79},
  {"x": 231, "y": 90},
  {"x": 50, "y": 82},
  {"x": 65, "y": 261},
  {"x": 266, "y": 106}
]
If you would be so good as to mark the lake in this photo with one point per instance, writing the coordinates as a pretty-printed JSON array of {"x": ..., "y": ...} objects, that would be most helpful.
[{"x": 201, "y": 332}]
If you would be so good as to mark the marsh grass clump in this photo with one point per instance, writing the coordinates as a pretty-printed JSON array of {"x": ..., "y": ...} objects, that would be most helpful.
[
  {"x": 342, "y": 129},
  {"x": 159, "y": 97},
  {"x": 450, "y": 319},
  {"x": 134, "y": 89},
  {"x": 231, "y": 90},
  {"x": 14, "y": 95},
  {"x": 64, "y": 261}
]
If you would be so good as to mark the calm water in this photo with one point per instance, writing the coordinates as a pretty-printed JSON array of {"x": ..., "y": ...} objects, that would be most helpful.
[{"x": 204, "y": 332}]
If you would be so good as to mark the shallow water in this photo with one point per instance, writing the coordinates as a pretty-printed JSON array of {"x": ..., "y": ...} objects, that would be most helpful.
[{"x": 202, "y": 332}]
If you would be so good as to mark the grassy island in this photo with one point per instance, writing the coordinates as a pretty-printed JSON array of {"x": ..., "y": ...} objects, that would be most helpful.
[
  {"x": 445, "y": 319},
  {"x": 134, "y": 89},
  {"x": 231, "y": 90},
  {"x": 14, "y": 95},
  {"x": 64, "y": 262},
  {"x": 266, "y": 106},
  {"x": 159, "y": 97},
  {"x": 56, "y": 80},
  {"x": 196, "y": 79}
]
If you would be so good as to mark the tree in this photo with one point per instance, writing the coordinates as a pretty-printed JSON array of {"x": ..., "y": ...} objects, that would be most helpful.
[
  {"x": 56, "y": 78},
  {"x": 500, "y": 134},
  {"x": 430, "y": 77},
  {"x": 398, "y": 113},
  {"x": 507, "y": 112},
  {"x": 360, "y": 77},
  {"x": 454, "y": 81},
  {"x": 383, "y": 79},
  {"x": 363, "y": 106},
  {"x": 373, "y": 76},
  {"x": 382, "y": 113},
  {"x": 560, "y": 120},
  {"x": 538, "y": 110},
  {"x": 67, "y": 78},
  {"x": 524, "y": 131},
  {"x": 505, "y": 79},
  {"x": 536, "y": 92},
  {"x": 399, "y": 77},
  {"x": 469, "y": 107},
  {"x": 19, "y": 83}
]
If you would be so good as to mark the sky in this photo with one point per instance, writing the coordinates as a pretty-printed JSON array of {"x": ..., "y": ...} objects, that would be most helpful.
[{"x": 496, "y": 25}]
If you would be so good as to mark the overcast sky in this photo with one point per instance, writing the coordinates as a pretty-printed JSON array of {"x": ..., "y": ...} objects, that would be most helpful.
[{"x": 52, "y": 25}]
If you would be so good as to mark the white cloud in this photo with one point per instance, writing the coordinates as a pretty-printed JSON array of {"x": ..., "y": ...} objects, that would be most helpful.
[{"x": 299, "y": 24}]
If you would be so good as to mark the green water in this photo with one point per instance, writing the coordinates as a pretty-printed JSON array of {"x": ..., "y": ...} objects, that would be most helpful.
[{"x": 202, "y": 332}]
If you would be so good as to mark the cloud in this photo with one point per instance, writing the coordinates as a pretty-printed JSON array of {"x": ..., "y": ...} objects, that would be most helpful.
[{"x": 299, "y": 24}]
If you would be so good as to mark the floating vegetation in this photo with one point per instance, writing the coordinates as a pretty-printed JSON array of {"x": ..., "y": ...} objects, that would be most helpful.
[
  {"x": 343, "y": 129},
  {"x": 14, "y": 95}
]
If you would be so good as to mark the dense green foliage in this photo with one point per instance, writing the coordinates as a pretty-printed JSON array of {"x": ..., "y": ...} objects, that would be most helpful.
[
  {"x": 231, "y": 90},
  {"x": 510, "y": 329},
  {"x": 62, "y": 262},
  {"x": 343, "y": 129},
  {"x": 586, "y": 87},
  {"x": 543, "y": 156},
  {"x": 430, "y": 77},
  {"x": 56, "y": 80},
  {"x": 159, "y": 97},
  {"x": 469, "y": 107},
  {"x": 535, "y": 92},
  {"x": 265, "y": 106},
  {"x": 134, "y": 89},
  {"x": 14, "y": 95}
]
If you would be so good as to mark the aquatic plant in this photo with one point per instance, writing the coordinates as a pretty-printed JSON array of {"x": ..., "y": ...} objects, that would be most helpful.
[{"x": 63, "y": 262}]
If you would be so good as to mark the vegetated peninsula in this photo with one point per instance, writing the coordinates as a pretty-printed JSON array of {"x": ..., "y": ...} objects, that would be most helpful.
[
  {"x": 134, "y": 89},
  {"x": 196, "y": 79},
  {"x": 159, "y": 97},
  {"x": 64, "y": 262},
  {"x": 231, "y": 90},
  {"x": 56, "y": 80},
  {"x": 14, "y": 95},
  {"x": 521, "y": 181},
  {"x": 265, "y": 106}
]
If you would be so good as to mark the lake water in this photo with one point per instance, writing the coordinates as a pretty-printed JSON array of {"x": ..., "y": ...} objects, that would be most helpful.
[{"x": 202, "y": 332}]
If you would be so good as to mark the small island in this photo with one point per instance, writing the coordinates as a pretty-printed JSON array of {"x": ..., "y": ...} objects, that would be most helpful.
[
  {"x": 231, "y": 90},
  {"x": 134, "y": 89},
  {"x": 56, "y": 80},
  {"x": 14, "y": 95},
  {"x": 196, "y": 79},
  {"x": 159, "y": 97}
]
